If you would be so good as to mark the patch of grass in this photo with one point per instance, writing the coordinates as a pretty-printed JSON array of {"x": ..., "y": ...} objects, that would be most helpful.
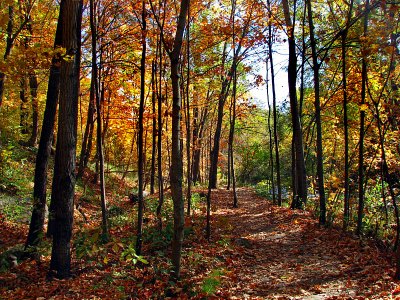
[{"x": 212, "y": 281}]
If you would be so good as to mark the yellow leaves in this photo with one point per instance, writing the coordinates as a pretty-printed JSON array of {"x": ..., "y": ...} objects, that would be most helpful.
[{"x": 363, "y": 107}]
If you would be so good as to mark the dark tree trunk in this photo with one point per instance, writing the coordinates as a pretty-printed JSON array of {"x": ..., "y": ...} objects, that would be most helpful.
[
  {"x": 140, "y": 134},
  {"x": 44, "y": 151},
  {"x": 346, "y": 213},
  {"x": 275, "y": 115},
  {"x": 100, "y": 152},
  {"x": 300, "y": 194},
  {"x": 87, "y": 136},
  {"x": 154, "y": 128},
  {"x": 188, "y": 129},
  {"x": 317, "y": 103},
  {"x": 159, "y": 141},
  {"x": 176, "y": 155},
  {"x": 271, "y": 143},
  {"x": 217, "y": 136},
  {"x": 24, "y": 112},
  {"x": 9, "y": 44},
  {"x": 360, "y": 213},
  {"x": 33, "y": 86},
  {"x": 64, "y": 168}
]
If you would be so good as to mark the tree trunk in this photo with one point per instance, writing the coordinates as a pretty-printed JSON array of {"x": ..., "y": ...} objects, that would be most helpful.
[
  {"x": 188, "y": 129},
  {"x": 100, "y": 152},
  {"x": 24, "y": 113},
  {"x": 140, "y": 134},
  {"x": 46, "y": 138},
  {"x": 217, "y": 136},
  {"x": 275, "y": 115},
  {"x": 154, "y": 128},
  {"x": 177, "y": 167},
  {"x": 346, "y": 213},
  {"x": 360, "y": 213},
  {"x": 317, "y": 103},
  {"x": 9, "y": 45},
  {"x": 300, "y": 194},
  {"x": 159, "y": 141},
  {"x": 64, "y": 168},
  {"x": 33, "y": 86},
  {"x": 271, "y": 155}
]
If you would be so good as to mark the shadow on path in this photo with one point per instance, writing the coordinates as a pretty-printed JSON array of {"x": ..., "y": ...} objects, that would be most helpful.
[{"x": 285, "y": 254}]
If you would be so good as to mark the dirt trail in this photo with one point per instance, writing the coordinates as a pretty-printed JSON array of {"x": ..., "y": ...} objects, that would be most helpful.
[{"x": 285, "y": 254}]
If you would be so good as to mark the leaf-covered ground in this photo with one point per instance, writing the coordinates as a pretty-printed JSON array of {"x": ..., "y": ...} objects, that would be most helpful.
[{"x": 257, "y": 251}]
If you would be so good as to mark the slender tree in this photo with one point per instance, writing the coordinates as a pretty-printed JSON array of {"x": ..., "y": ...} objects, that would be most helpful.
[
  {"x": 362, "y": 130},
  {"x": 317, "y": 102},
  {"x": 346, "y": 213},
  {"x": 42, "y": 158},
  {"x": 100, "y": 152},
  {"x": 140, "y": 132}
]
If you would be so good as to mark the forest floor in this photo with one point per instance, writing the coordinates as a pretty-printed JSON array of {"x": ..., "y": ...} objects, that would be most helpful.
[{"x": 257, "y": 251}]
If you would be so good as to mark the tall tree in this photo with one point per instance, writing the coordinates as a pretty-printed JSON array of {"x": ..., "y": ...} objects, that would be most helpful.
[
  {"x": 317, "y": 102},
  {"x": 140, "y": 132},
  {"x": 64, "y": 168},
  {"x": 346, "y": 213},
  {"x": 362, "y": 130},
  {"x": 177, "y": 168},
  {"x": 45, "y": 142},
  {"x": 274, "y": 107},
  {"x": 96, "y": 88},
  {"x": 300, "y": 194}
]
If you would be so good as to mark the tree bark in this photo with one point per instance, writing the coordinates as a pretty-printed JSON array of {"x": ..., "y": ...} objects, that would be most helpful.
[
  {"x": 46, "y": 138},
  {"x": 275, "y": 114},
  {"x": 360, "y": 212},
  {"x": 300, "y": 194},
  {"x": 176, "y": 162},
  {"x": 317, "y": 103},
  {"x": 64, "y": 168},
  {"x": 140, "y": 134},
  {"x": 100, "y": 152}
]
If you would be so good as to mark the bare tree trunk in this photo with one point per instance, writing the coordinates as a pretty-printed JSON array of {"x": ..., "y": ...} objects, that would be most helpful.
[
  {"x": 140, "y": 133},
  {"x": 362, "y": 132},
  {"x": 9, "y": 44},
  {"x": 159, "y": 141},
  {"x": 271, "y": 155},
  {"x": 188, "y": 128},
  {"x": 176, "y": 155},
  {"x": 100, "y": 152},
  {"x": 346, "y": 214},
  {"x": 275, "y": 115},
  {"x": 33, "y": 86},
  {"x": 317, "y": 103},
  {"x": 64, "y": 168},
  {"x": 300, "y": 194},
  {"x": 42, "y": 158},
  {"x": 154, "y": 128}
]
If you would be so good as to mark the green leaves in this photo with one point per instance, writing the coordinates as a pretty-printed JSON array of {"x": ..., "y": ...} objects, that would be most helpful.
[{"x": 129, "y": 255}]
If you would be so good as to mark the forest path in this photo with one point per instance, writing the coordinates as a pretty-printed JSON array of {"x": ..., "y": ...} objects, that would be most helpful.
[{"x": 285, "y": 254}]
